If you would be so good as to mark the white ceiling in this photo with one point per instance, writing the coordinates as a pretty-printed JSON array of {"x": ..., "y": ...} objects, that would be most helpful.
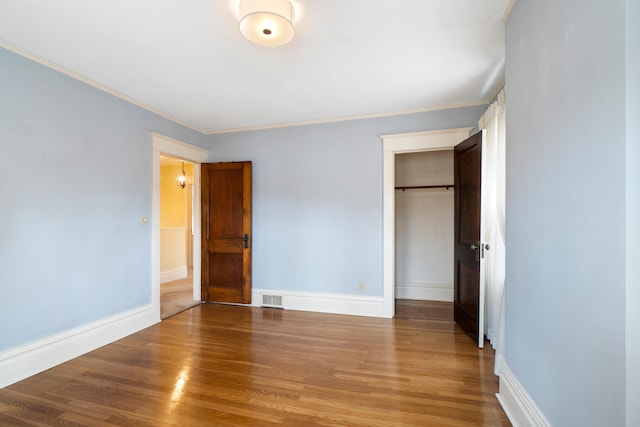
[{"x": 187, "y": 60}]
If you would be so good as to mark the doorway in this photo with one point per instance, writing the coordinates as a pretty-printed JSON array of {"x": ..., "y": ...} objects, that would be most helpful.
[
  {"x": 169, "y": 147},
  {"x": 424, "y": 221},
  {"x": 397, "y": 144},
  {"x": 176, "y": 236}
]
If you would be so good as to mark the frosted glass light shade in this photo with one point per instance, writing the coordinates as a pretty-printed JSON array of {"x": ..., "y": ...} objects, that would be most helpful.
[{"x": 267, "y": 22}]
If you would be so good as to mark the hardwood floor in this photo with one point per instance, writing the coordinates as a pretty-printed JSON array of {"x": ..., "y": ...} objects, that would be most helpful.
[
  {"x": 222, "y": 365},
  {"x": 177, "y": 296}
]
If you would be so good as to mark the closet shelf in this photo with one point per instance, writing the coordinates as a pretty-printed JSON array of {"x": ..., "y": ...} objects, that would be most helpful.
[{"x": 414, "y": 187}]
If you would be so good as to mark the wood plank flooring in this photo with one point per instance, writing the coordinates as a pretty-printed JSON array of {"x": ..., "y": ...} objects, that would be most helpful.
[
  {"x": 177, "y": 296},
  {"x": 222, "y": 365}
]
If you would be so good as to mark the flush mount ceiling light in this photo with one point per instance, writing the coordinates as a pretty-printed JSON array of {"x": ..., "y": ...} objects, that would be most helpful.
[{"x": 266, "y": 22}]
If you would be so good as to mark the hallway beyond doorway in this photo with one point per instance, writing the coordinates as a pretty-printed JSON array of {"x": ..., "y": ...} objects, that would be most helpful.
[{"x": 177, "y": 296}]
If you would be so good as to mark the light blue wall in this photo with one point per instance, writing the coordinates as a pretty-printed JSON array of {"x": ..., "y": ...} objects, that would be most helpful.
[
  {"x": 633, "y": 213},
  {"x": 565, "y": 297},
  {"x": 75, "y": 178},
  {"x": 317, "y": 199}
]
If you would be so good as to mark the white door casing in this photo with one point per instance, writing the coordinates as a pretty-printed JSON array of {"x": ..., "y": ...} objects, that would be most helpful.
[
  {"x": 174, "y": 148},
  {"x": 393, "y": 144}
]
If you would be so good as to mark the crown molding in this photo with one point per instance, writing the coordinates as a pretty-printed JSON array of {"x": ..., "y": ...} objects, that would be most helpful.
[
  {"x": 354, "y": 117},
  {"x": 495, "y": 93},
  {"x": 77, "y": 76},
  {"x": 507, "y": 10}
]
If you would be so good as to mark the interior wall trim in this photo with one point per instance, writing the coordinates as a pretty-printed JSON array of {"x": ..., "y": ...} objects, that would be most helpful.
[
  {"x": 516, "y": 402},
  {"x": 40, "y": 60},
  {"x": 26, "y": 360},
  {"x": 165, "y": 145},
  {"x": 392, "y": 144},
  {"x": 357, "y": 117},
  {"x": 49, "y": 64},
  {"x": 175, "y": 147},
  {"x": 507, "y": 10},
  {"x": 425, "y": 291},
  {"x": 174, "y": 274},
  {"x": 353, "y": 305}
]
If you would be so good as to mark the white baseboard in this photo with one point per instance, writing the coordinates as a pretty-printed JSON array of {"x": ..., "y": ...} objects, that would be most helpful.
[
  {"x": 425, "y": 291},
  {"x": 175, "y": 274},
  {"x": 325, "y": 303},
  {"x": 516, "y": 402},
  {"x": 24, "y": 361}
]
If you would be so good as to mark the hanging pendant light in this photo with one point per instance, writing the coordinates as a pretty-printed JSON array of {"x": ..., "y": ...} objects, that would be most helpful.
[
  {"x": 267, "y": 22},
  {"x": 181, "y": 178}
]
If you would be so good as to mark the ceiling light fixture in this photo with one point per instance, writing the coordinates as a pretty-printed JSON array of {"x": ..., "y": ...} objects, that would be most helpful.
[{"x": 267, "y": 22}]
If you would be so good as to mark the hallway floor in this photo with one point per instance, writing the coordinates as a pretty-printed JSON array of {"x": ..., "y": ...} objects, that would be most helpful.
[{"x": 177, "y": 296}]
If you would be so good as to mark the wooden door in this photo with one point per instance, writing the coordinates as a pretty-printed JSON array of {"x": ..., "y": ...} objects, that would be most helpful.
[
  {"x": 226, "y": 232},
  {"x": 468, "y": 310}
]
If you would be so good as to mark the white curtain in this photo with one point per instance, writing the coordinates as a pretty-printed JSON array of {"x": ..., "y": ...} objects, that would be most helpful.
[{"x": 493, "y": 217}]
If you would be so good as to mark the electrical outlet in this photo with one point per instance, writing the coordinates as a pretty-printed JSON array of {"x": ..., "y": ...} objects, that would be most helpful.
[{"x": 361, "y": 287}]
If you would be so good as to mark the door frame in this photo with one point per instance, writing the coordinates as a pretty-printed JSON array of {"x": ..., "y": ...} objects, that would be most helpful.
[
  {"x": 393, "y": 144},
  {"x": 164, "y": 145}
]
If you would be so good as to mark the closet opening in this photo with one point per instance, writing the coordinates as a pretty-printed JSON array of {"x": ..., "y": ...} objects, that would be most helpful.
[{"x": 424, "y": 232}]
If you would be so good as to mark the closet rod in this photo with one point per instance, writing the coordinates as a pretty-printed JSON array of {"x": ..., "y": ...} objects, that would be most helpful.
[{"x": 424, "y": 186}]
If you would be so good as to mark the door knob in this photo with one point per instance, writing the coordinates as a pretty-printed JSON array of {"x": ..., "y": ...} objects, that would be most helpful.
[
  {"x": 245, "y": 239},
  {"x": 475, "y": 247}
]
